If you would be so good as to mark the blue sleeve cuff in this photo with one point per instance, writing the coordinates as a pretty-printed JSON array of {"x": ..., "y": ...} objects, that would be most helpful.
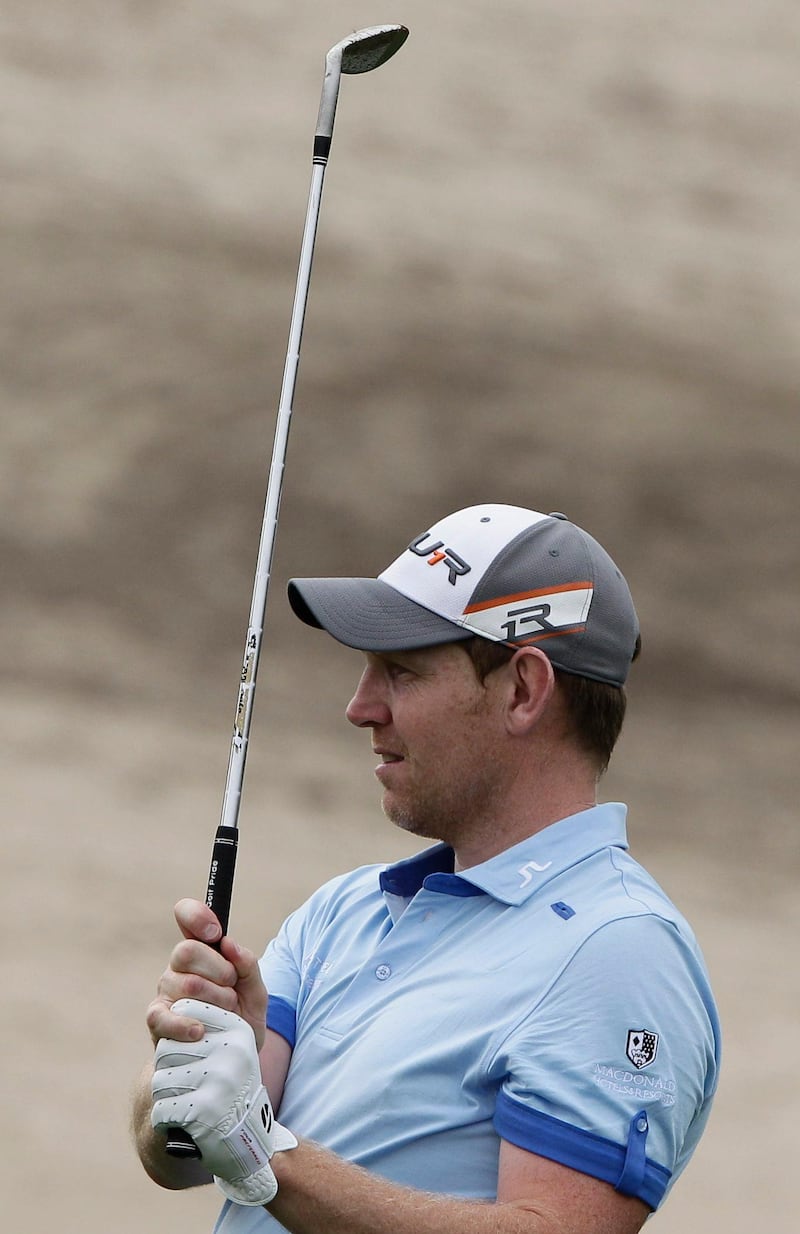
[
  {"x": 625, "y": 1166},
  {"x": 282, "y": 1018}
]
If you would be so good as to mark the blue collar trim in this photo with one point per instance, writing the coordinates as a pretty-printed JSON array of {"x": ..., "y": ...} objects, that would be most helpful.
[{"x": 405, "y": 878}]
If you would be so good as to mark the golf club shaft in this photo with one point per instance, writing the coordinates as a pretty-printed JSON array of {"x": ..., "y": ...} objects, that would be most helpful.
[{"x": 244, "y": 705}]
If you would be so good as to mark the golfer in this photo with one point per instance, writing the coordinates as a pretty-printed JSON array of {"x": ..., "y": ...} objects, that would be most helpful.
[{"x": 511, "y": 1032}]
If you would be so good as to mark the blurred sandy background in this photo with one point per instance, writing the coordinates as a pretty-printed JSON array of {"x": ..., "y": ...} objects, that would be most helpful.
[{"x": 558, "y": 266}]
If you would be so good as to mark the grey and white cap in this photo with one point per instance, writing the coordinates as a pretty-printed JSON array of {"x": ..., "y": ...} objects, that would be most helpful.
[{"x": 507, "y": 574}]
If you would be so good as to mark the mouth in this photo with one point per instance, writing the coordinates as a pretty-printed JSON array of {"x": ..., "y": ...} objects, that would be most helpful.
[{"x": 388, "y": 756}]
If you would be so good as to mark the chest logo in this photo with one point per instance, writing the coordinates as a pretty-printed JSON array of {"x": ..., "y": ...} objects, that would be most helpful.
[{"x": 641, "y": 1047}]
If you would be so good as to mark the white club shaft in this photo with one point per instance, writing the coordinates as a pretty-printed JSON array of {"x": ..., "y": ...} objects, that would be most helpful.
[{"x": 244, "y": 705}]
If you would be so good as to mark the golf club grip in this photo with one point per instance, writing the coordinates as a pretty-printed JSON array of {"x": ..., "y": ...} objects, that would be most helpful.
[
  {"x": 220, "y": 876},
  {"x": 218, "y": 898}
]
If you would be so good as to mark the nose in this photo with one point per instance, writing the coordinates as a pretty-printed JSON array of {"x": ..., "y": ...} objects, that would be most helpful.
[{"x": 368, "y": 707}]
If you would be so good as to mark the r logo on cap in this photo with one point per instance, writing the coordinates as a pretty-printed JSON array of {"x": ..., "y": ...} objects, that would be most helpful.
[{"x": 457, "y": 566}]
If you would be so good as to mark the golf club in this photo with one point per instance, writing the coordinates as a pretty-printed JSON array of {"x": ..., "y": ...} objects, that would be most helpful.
[{"x": 359, "y": 53}]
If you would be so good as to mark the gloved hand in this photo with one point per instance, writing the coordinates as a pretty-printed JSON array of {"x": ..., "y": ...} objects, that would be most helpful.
[{"x": 213, "y": 1089}]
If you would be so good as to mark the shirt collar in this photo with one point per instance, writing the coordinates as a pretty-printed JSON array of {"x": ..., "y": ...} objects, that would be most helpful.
[{"x": 514, "y": 875}]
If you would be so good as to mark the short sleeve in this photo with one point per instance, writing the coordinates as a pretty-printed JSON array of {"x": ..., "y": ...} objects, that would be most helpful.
[
  {"x": 612, "y": 1073},
  {"x": 281, "y": 968},
  {"x": 288, "y": 964}
]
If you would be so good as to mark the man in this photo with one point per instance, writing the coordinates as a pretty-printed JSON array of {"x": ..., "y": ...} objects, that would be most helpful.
[{"x": 512, "y": 1032}]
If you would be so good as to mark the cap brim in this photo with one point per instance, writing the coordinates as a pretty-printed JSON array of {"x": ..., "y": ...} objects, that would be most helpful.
[{"x": 368, "y": 614}]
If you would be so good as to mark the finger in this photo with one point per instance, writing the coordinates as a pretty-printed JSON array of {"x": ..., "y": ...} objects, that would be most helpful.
[
  {"x": 171, "y": 1017},
  {"x": 175, "y": 986},
  {"x": 244, "y": 961},
  {"x": 162, "y": 1022},
  {"x": 190, "y": 956},
  {"x": 196, "y": 920}
]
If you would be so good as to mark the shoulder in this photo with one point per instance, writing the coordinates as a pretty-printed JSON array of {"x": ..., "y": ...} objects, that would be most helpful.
[
  {"x": 623, "y": 933},
  {"x": 611, "y": 886},
  {"x": 344, "y": 888},
  {"x": 340, "y": 898}
]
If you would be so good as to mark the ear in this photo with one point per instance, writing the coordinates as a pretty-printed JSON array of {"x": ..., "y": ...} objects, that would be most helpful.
[{"x": 530, "y": 687}]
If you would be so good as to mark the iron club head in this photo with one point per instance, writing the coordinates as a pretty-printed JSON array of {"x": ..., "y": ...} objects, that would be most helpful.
[{"x": 370, "y": 48}]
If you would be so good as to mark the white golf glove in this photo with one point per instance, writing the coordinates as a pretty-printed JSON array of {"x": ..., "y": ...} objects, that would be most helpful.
[{"x": 213, "y": 1089}]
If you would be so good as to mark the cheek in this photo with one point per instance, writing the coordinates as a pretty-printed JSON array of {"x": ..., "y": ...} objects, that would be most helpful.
[{"x": 458, "y": 731}]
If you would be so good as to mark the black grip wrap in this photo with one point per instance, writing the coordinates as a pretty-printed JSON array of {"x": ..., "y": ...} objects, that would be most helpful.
[
  {"x": 220, "y": 877},
  {"x": 322, "y": 148},
  {"x": 181, "y": 1144},
  {"x": 218, "y": 898}
]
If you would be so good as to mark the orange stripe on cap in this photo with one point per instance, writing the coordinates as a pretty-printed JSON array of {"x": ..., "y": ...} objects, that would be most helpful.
[
  {"x": 527, "y": 595},
  {"x": 538, "y": 638}
]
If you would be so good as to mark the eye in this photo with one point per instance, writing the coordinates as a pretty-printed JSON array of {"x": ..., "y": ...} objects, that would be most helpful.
[{"x": 396, "y": 671}]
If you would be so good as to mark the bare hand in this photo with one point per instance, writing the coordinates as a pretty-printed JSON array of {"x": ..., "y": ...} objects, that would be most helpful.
[{"x": 201, "y": 967}]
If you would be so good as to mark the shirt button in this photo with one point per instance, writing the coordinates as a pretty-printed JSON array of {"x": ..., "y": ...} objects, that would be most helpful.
[
  {"x": 383, "y": 971},
  {"x": 641, "y": 1125}
]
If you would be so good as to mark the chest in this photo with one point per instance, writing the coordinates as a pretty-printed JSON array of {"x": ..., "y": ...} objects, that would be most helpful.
[{"x": 448, "y": 980}]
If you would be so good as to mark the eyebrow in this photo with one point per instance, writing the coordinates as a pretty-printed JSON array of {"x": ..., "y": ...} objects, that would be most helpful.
[{"x": 410, "y": 658}]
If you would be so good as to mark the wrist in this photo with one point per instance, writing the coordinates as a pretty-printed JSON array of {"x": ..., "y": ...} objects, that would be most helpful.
[{"x": 282, "y": 1164}]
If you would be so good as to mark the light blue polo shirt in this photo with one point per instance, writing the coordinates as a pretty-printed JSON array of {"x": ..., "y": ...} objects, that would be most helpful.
[{"x": 552, "y": 997}]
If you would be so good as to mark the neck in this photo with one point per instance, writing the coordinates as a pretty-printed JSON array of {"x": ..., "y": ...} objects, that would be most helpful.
[{"x": 525, "y": 811}]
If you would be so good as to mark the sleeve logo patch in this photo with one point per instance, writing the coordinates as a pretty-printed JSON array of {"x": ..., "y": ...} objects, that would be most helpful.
[{"x": 642, "y": 1046}]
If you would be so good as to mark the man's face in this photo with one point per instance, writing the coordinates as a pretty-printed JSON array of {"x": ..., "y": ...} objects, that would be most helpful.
[{"x": 437, "y": 731}]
